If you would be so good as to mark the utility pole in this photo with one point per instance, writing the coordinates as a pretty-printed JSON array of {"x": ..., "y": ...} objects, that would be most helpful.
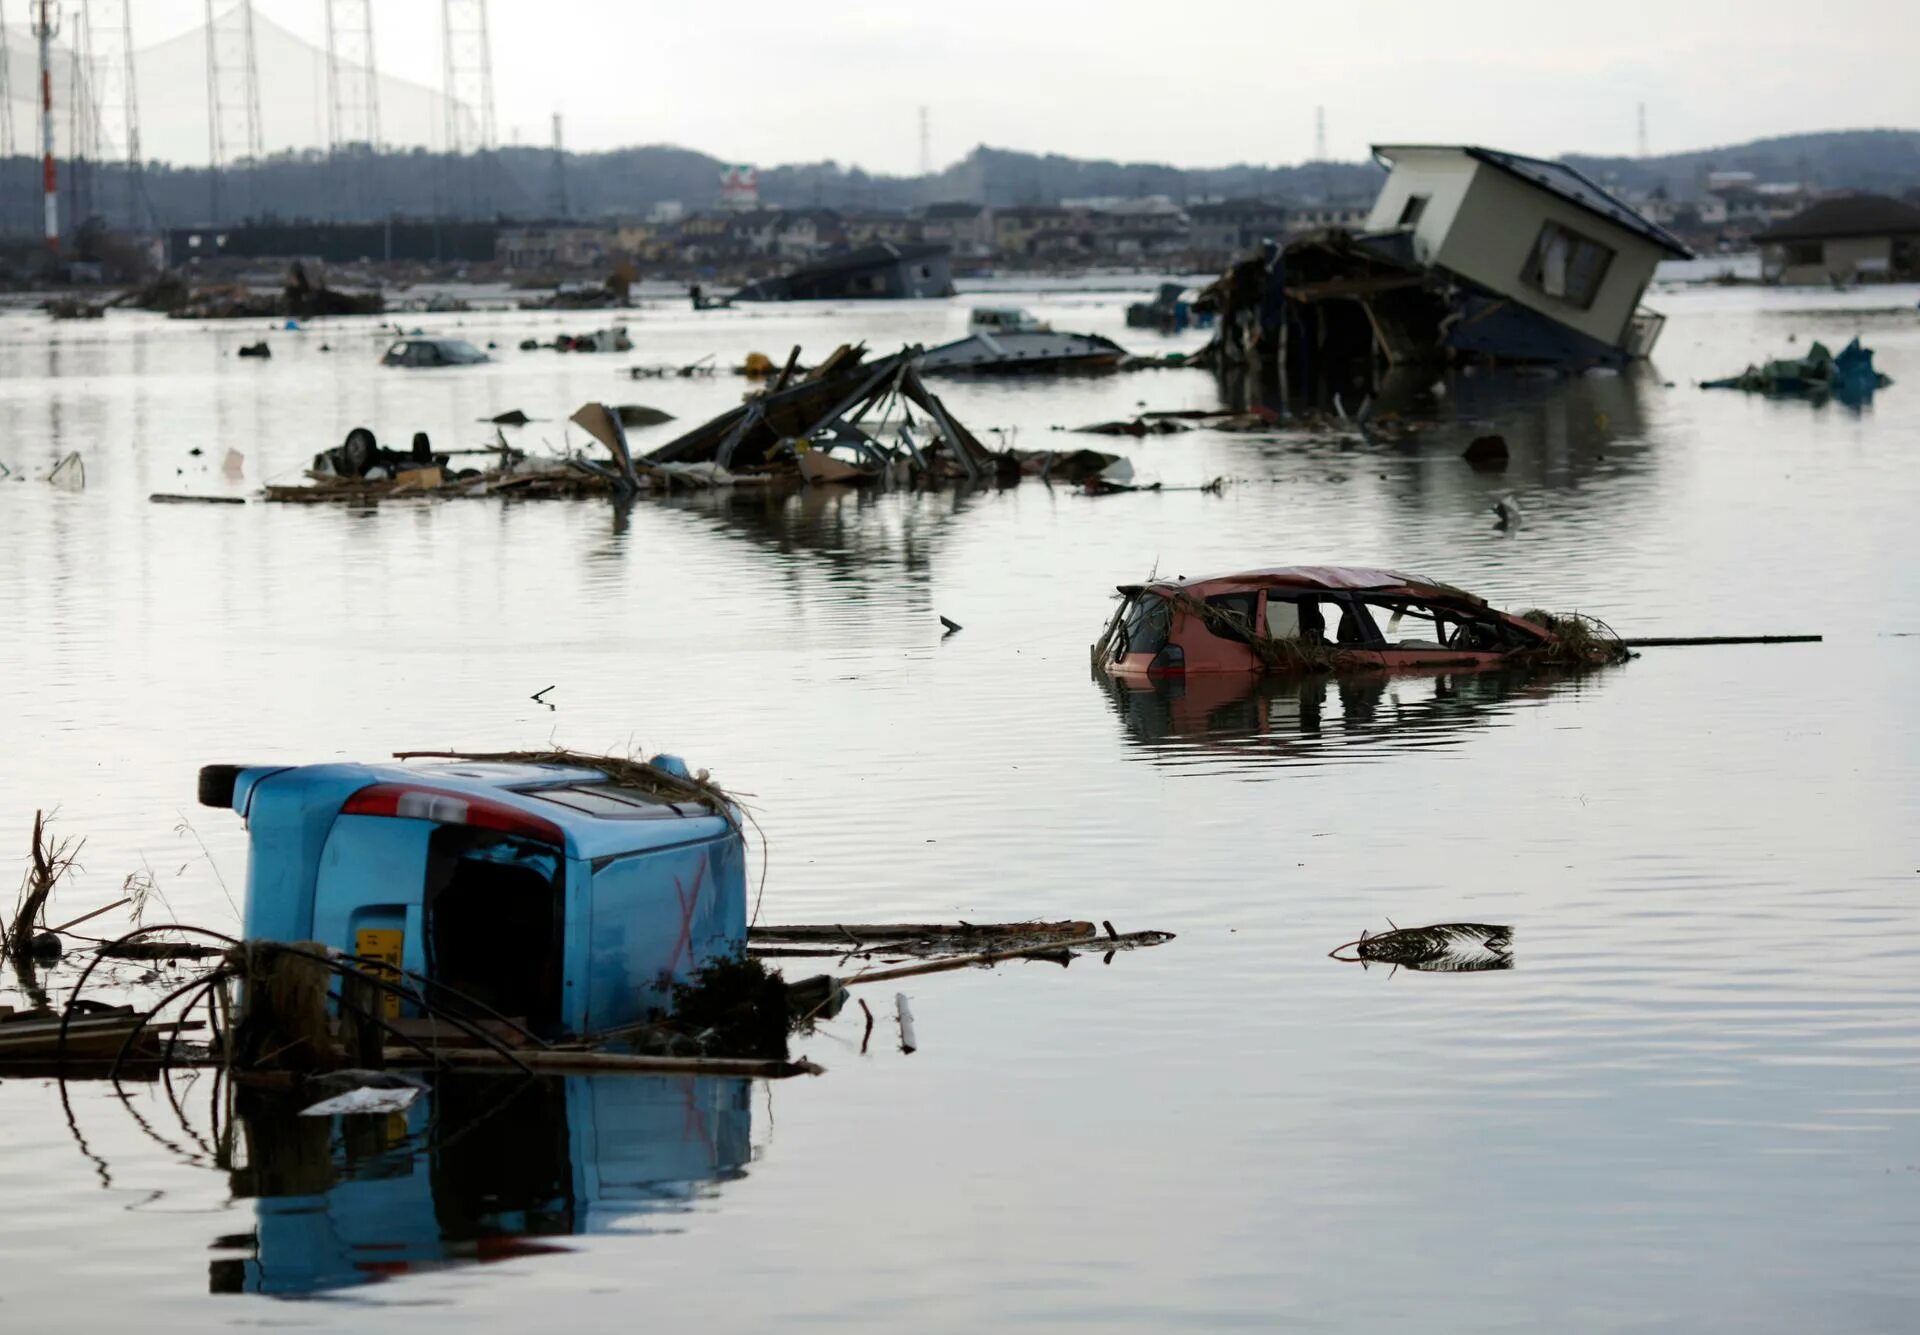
[{"x": 44, "y": 27}]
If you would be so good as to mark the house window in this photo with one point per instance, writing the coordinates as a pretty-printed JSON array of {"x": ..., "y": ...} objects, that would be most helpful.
[
  {"x": 1805, "y": 252},
  {"x": 1415, "y": 206},
  {"x": 1566, "y": 265}
]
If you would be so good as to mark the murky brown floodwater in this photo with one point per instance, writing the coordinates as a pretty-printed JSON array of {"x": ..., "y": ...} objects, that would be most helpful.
[{"x": 1693, "y": 1102}]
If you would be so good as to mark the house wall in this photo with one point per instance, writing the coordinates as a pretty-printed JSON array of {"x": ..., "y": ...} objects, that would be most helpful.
[
  {"x": 1840, "y": 256},
  {"x": 1491, "y": 235},
  {"x": 1444, "y": 177}
]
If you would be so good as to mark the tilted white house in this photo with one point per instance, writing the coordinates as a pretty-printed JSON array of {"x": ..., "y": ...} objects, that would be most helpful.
[{"x": 1525, "y": 239}]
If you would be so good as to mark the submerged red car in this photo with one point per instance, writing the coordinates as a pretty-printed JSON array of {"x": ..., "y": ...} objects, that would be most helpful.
[{"x": 1323, "y": 618}]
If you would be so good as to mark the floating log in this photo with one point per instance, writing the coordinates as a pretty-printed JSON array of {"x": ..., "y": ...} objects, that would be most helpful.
[
  {"x": 1680, "y": 641},
  {"x": 561, "y": 1060},
  {"x": 1119, "y": 941},
  {"x": 95, "y": 1037},
  {"x": 158, "y": 950},
  {"x": 871, "y": 933},
  {"x": 181, "y": 498}
]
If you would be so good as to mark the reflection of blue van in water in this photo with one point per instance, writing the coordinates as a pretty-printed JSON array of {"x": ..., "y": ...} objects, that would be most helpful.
[
  {"x": 478, "y": 1169},
  {"x": 546, "y": 891}
]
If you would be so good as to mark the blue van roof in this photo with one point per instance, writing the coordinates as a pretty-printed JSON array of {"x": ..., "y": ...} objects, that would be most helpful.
[{"x": 639, "y": 824}]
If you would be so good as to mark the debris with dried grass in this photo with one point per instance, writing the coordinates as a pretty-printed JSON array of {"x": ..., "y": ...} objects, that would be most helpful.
[{"x": 51, "y": 860}]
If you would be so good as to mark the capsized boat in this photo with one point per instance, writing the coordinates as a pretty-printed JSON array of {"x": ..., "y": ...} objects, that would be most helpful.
[
  {"x": 1007, "y": 338},
  {"x": 1330, "y": 618}
]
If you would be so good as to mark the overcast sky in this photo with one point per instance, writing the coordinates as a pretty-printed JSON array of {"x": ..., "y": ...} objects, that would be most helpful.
[{"x": 1192, "y": 82}]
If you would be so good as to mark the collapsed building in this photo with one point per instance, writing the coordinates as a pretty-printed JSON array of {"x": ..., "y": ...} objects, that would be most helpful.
[{"x": 1470, "y": 254}]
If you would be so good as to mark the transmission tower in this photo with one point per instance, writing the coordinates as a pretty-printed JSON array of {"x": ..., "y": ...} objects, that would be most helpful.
[
  {"x": 559, "y": 171},
  {"x": 351, "y": 78},
  {"x": 1643, "y": 129},
  {"x": 468, "y": 76},
  {"x": 353, "y": 86},
  {"x": 1319, "y": 134},
  {"x": 233, "y": 102},
  {"x": 467, "y": 91},
  {"x": 926, "y": 146},
  {"x": 114, "y": 110}
]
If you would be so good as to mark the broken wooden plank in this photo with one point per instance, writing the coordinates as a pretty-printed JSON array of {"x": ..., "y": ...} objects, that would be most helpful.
[
  {"x": 910, "y": 931},
  {"x": 1679, "y": 641},
  {"x": 1057, "y": 949}
]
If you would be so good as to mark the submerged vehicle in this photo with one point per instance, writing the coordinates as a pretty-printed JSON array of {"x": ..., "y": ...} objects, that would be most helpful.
[
  {"x": 568, "y": 897},
  {"x": 418, "y": 352},
  {"x": 1007, "y": 338},
  {"x": 1328, "y": 618}
]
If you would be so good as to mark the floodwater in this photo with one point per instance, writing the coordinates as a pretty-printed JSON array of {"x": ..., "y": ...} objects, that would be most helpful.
[{"x": 1693, "y": 1101}]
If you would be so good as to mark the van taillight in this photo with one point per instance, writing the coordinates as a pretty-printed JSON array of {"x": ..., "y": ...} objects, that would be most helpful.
[{"x": 436, "y": 804}]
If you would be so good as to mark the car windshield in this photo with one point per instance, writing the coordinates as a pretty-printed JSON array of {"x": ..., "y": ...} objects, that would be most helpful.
[{"x": 1149, "y": 621}]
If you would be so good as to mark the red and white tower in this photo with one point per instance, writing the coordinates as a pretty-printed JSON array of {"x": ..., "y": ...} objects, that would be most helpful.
[{"x": 45, "y": 24}]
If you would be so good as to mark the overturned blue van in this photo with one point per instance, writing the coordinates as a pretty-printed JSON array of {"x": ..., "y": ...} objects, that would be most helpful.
[{"x": 549, "y": 892}]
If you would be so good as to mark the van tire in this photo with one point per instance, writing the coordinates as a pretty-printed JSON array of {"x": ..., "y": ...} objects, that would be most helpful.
[{"x": 216, "y": 785}]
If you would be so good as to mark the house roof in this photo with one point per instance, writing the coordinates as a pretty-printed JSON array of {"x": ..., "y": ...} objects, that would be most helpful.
[
  {"x": 1559, "y": 179},
  {"x": 955, "y": 209},
  {"x": 1848, "y": 215},
  {"x": 1237, "y": 208}
]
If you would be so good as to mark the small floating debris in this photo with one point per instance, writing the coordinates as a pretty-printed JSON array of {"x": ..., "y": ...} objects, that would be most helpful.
[
  {"x": 70, "y": 474},
  {"x": 1448, "y": 947},
  {"x": 1003, "y": 339},
  {"x": 1820, "y": 374},
  {"x": 1487, "y": 454},
  {"x": 1139, "y": 426}
]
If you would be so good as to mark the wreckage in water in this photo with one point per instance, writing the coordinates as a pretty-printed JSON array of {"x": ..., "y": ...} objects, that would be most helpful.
[
  {"x": 1005, "y": 339},
  {"x": 568, "y": 897},
  {"x": 1470, "y": 254},
  {"x": 878, "y": 272},
  {"x": 1330, "y": 618}
]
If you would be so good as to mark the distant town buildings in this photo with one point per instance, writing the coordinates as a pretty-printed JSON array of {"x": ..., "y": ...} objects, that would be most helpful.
[
  {"x": 744, "y": 237},
  {"x": 1848, "y": 239}
]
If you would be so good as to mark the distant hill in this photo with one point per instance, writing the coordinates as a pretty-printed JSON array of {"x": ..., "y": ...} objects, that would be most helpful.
[
  {"x": 1884, "y": 161},
  {"x": 523, "y": 182}
]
